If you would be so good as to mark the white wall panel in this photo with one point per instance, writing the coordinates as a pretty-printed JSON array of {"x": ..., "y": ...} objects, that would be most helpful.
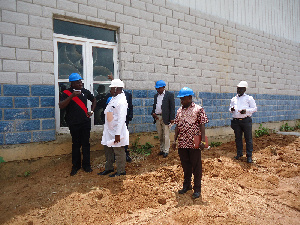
[{"x": 277, "y": 17}]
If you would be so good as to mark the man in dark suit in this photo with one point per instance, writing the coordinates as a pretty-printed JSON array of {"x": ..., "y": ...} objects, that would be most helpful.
[{"x": 164, "y": 114}]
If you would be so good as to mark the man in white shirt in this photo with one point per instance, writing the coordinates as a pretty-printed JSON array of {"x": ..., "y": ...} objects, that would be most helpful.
[
  {"x": 115, "y": 134},
  {"x": 242, "y": 106}
]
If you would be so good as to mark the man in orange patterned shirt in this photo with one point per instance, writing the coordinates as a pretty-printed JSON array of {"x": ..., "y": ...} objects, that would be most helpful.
[{"x": 190, "y": 121}]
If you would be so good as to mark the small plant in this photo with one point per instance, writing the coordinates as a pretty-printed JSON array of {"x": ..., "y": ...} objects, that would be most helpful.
[
  {"x": 215, "y": 144},
  {"x": 1, "y": 160},
  {"x": 262, "y": 131},
  {"x": 286, "y": 127},
  {"x": 141, "y": 149},
  {"x": 297, "y": 126},
  {"x": 156, "y": 137},
  {"x": 27, "y": 174}
]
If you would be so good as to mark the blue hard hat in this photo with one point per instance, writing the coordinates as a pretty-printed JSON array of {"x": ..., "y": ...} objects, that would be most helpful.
[
  {"x": 160, "y": 83},
  {"x": 74, "y": 77},
  {"x": 185, "y": 92},
  {"x": 108, "y": 100}
]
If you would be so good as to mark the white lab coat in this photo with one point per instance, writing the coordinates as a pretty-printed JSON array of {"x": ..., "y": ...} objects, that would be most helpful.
[{"x": 115, "y": 117}]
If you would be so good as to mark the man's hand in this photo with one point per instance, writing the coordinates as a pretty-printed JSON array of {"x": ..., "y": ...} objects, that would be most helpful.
[
  {"x": 174, "y": 145},
  {"x": 201, "y": 146},
  {"x": 155, "y": 116},
  {"x": 117, "y": 139},
  {"x": 243, "y": 111},
  {"x": 232, "y": 109},
  {"x": 75, "y": 93},
  {"x": 90, "y": 114},
  {"x": 110, "y": 76}
]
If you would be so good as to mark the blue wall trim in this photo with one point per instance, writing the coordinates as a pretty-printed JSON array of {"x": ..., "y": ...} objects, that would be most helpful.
[
  {"x": 271, "y": 108},
  {"x": 27, "y": 113},
  {"x": 15, "y": 90},
  {"x": 26, "y": 102}
]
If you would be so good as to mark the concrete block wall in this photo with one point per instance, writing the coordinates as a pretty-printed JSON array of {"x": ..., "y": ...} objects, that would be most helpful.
[
  {"x": 271, "y": 108},
  {"x": 157, "y": 39},
  {"x": 27, "y": 113}
]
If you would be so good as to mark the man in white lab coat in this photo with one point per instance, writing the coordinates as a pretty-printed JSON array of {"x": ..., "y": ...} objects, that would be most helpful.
[{"x": 115, "y": 134}]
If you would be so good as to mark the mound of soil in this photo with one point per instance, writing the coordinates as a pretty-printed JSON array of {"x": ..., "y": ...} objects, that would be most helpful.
[{"x": 233, "y": 192}]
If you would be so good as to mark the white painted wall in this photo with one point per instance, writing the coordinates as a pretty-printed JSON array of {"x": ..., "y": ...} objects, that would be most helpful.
[{"x": 277, "y": 17}]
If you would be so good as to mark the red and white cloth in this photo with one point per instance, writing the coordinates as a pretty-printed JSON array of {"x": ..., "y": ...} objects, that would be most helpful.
[{"x": 188, "y": 121}]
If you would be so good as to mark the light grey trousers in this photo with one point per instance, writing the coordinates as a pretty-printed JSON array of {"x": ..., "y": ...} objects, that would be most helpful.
[
  {"x": 163, "y": 131},
  {"x": 115, "y": 152}
]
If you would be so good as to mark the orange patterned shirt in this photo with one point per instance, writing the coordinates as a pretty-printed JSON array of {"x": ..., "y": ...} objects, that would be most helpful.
[{"x": 188, "y": 121}]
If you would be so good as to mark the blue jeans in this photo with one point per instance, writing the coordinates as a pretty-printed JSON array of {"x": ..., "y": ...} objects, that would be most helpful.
[{"x": 240, "y": 127}]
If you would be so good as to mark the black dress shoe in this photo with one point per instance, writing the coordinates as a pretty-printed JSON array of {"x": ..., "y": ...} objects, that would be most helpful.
[
  {"x": 249, "y": 160},
  {"x": 128, "y": 159},
  {"x": 105, "y": 172},
  {"x": 165, "y": 155},
  {"x": 160, "y": 153},
  {"x": 238, "y": 157},
  {"x": 196, "y": 195},
  {"x": 88, "y": 169},
  {"x": 74, "y": 171},
  {"x": 117, "y": 174},
  {"x": 184, "y": 190}
]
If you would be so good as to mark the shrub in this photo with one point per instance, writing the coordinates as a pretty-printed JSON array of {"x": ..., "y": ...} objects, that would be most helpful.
[
  {"x": 262, "y": 131},
  {"x": 286, "y": 127},
  {"x": 141, "y": 149},
  {"x": 1, "y": 160},
  {"x": 215, "y": 144}
]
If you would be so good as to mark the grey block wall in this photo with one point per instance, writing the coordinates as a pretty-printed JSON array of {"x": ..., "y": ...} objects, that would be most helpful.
[{"x": 157, "y": 40}]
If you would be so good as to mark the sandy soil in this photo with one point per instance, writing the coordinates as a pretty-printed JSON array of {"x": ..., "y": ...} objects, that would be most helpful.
[{"x": 233, "y": 192}]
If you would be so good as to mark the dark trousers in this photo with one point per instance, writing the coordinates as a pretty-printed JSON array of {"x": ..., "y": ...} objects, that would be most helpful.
[
  {"x": 240, "y": 127},
  {"x": 191, "y": 164},
  {"x": 126, "y": 146},
  {"x": 81, "y": 138}
]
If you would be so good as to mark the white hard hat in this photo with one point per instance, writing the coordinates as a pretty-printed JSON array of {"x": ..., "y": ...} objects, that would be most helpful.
[
  {"x": 117, "y": 83},
  {"x": 243, "y": 84}
]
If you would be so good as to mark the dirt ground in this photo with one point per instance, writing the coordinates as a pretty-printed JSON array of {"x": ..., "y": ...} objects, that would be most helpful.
[{"x": 233, "y": 192}]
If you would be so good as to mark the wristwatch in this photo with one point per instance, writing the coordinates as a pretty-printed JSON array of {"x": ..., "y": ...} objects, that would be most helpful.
[
  {"x": 92, "y": 112},
  {"x": 203, "y": 142}
]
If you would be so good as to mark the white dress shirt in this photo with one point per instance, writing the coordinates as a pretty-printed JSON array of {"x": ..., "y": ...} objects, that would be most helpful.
[
  {"x": 159, "y": 103},
  {"x": 244, "y": 102},
  {"x": 115, "y": 117}
]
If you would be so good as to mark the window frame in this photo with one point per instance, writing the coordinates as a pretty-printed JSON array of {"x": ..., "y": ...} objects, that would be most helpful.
[{"x": 87, "y": 48}]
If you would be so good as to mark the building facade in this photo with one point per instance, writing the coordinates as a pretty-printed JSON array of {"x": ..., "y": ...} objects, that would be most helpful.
[{"x": 206, "y": 46}]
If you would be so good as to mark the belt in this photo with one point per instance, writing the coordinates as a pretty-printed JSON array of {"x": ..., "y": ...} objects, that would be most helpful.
[
  {"x": 158, "y": 114},
  {"x": 241, "y": 118}
]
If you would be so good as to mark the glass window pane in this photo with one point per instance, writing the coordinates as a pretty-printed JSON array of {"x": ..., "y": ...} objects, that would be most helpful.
[
  {"x": 85, "y": 31},
  {"x": 100, "y": 92},
  {"x": 69, "y": 60},
  {"x": 103, "y": 63},
  {"x": 62, "y": 87}
]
